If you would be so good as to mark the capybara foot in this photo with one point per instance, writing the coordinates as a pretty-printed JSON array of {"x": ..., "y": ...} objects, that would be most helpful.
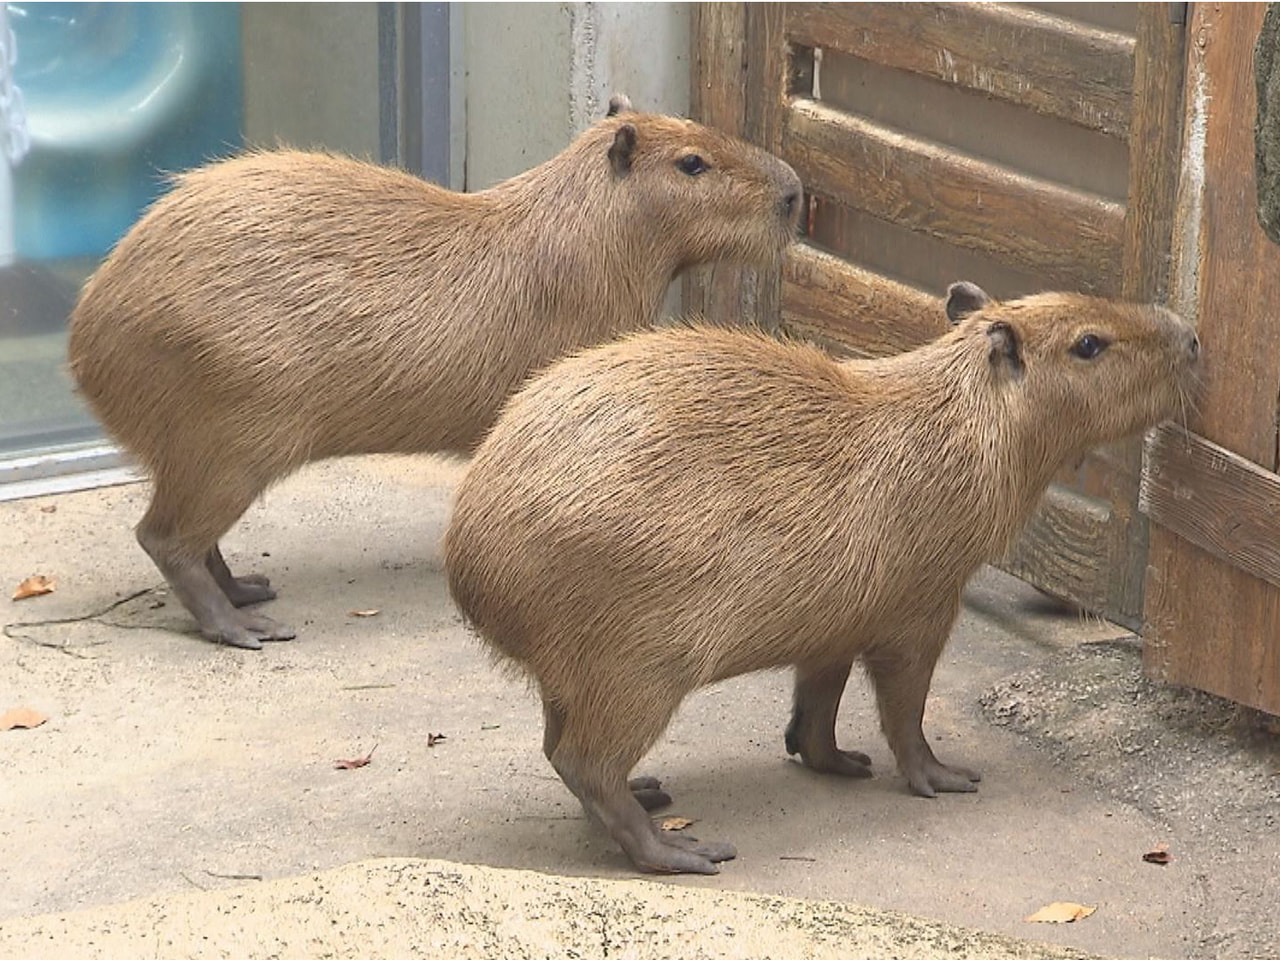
[
  {"x": 664, "y": 857},
  {"x": 715, "y": 852},
  {"x": 928, "y": 778},
  {"x": 252, "y": 588},
  {"x": 241, "y": 591},
  {"x": 247, "y": 631},
  {"x": 649, "y": 793},
  {"x": 844, "y": 763}
]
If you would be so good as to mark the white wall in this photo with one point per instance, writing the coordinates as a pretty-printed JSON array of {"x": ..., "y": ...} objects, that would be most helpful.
[{"x": 535, "y": 74}]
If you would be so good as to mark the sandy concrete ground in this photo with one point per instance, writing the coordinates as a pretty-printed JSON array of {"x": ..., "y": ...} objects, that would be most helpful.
[
  {"x": 429, "y": 910},
  {"x": 169, "y": 764}
]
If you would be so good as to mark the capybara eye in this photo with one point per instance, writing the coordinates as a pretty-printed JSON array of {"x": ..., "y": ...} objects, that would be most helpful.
[
  {"x": 1088, "y": 346},
  {"x": 692, "y": 164}
]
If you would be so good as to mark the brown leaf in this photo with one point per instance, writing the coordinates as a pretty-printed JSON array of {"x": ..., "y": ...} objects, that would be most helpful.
[
  {"x": 1159, "y": 855},
  {"x": 355, "y": 764},
  {"x": 51, "y": 508},
  {"x": 675, "y": 823},
  {"x": 35, "y": 586},
  {"x": 434, "y": 738},
  {"x": 21, "y": 717},
  {"x": 364, "y": 613},
  {"x": 1060, "y": 912}
]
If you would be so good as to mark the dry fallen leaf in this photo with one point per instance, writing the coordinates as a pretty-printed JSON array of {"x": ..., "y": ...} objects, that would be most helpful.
[
  {"x": 23, "y": 718},
  {"x": 364, "y": 613},
  {"x": 1060, "y": 912},
  {"x": 434, "y": 738},
  {"x": 34, "y": 587},
  {"x": 1159, "y": 855},
  {"x": 355, "y": 764},
  {"x": 675, "y": 823},
  {"x": 52, "y": 508}
]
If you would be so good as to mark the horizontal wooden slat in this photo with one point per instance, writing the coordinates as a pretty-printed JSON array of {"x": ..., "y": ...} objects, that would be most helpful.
[
  {"x": 863, "y": 313},
  {"x": 1072, "y": 239},
  {"x": 1064, "y": 549},
  {"x": 1215, "y": 499},
  {"x": 1054, "y": 66}
]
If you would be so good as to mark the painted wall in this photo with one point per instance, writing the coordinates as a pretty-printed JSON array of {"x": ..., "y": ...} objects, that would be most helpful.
[{"x": 535, "y": 74}]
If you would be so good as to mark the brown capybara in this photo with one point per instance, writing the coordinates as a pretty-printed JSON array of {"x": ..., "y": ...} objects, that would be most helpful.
[
  {"x": 686, "y": 505},
  {"x": 285, "y": 307}
]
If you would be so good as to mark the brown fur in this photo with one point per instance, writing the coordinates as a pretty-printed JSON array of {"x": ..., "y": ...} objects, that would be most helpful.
[
  {"x": 688, "y": 505},
  {"x": 285, "y": 307}
]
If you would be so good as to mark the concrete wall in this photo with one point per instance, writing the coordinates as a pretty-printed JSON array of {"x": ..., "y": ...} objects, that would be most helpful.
[{"x": 536, "y": 74}]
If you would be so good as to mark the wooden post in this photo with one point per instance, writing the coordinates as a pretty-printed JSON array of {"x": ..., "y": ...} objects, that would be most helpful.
[{"x": 1209, "y": 623}]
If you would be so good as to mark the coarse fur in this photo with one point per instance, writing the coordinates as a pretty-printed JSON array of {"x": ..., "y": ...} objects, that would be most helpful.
[
  {"x": 684, "y": 506},
  {"x": 284, "y": 307}
]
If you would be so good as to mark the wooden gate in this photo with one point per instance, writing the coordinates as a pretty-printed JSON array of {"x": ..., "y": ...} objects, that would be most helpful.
[
  {"x": 1021, "y": 146},
  {"x": 1213, "y": 583}
]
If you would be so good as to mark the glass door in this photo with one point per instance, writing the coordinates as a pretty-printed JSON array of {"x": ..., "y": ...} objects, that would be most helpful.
[{"x": 99, "y": 101}]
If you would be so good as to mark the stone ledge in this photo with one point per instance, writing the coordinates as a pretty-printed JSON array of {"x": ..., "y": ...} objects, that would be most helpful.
[{"x": 428, "y": 909}]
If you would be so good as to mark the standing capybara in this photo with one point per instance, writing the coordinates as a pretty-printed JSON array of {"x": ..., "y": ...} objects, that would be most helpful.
[
  {"x": 285, "y": 307},
  {"x": 687, "y": 505}
]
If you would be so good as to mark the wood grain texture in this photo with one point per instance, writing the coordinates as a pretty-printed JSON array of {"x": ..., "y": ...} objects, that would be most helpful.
[
  {"x": 1155, "y": 140},
  {"x": 769, "y": 78},
  {"x": 1055, "y": 66},
  {"x": 860, "y": 313},
  {"x": 1071, "y": 238},
  {"x": 718, "y": 98},
  {"x": 1215, "y": 499},
  {"x": 1064, "y": 548},
  {"x": 1210, "y": 624}
]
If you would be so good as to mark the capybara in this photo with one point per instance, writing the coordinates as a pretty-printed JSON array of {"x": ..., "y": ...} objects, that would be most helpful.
[
  {"x": 687, "y": 505},
  {"x": 285, "y": 307}
]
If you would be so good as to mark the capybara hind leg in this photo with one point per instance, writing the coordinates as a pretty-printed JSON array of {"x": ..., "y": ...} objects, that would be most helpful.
[
  {"x": 649, "y": 793},
  {"x": 902, "y": 684},
  {"x": 607, "y": 799},
  {"x": 812, "y": 731},
  {"x": 592, "y": 756},
  {"x": 647, "y": 790},
  {"x": 194, "y": 586},
  {"x": 178, "y": 532},
  {"x": 241, "y": 591}
]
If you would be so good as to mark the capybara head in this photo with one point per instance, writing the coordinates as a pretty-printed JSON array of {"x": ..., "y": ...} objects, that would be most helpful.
[
  {"x": 712, "y": 195},
  {"x": 1090, "y": 370}
]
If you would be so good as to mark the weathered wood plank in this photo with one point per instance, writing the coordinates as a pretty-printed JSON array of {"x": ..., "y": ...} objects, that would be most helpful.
[
  {"x": 1214, "y": 498},
  {"x": 1155, "y": 137},
  {"x": 830, "y": 300},
  {"x": 1071, "y": 238},
  {"x": 1054, "y": 66},
  {"x": 1210, "y": 624},
  {"x": 769, "y": 79},
  {"x": 1064, "y": 549},
  {"x": 718, "y": 98}
]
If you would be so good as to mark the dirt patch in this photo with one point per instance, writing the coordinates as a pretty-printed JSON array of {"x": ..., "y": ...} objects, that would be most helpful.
[
  {"x": 1163, "y": 749},
  {"x": 1203, "y": 768}
]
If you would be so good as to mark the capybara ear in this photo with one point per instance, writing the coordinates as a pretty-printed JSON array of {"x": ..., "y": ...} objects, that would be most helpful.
[
  {"x": 1006, "y": 348},
  {"x": 623, "y": 149},
  {"x": 619, "y": 103},
  {"x": 964, "y": 298}
]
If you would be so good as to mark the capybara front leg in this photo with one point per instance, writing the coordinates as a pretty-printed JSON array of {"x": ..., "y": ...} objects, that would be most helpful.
[
  {"x": 902, "y": 684},
  {"x": 241, "y": 591},
  {"x": 812, "y": 731}
]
